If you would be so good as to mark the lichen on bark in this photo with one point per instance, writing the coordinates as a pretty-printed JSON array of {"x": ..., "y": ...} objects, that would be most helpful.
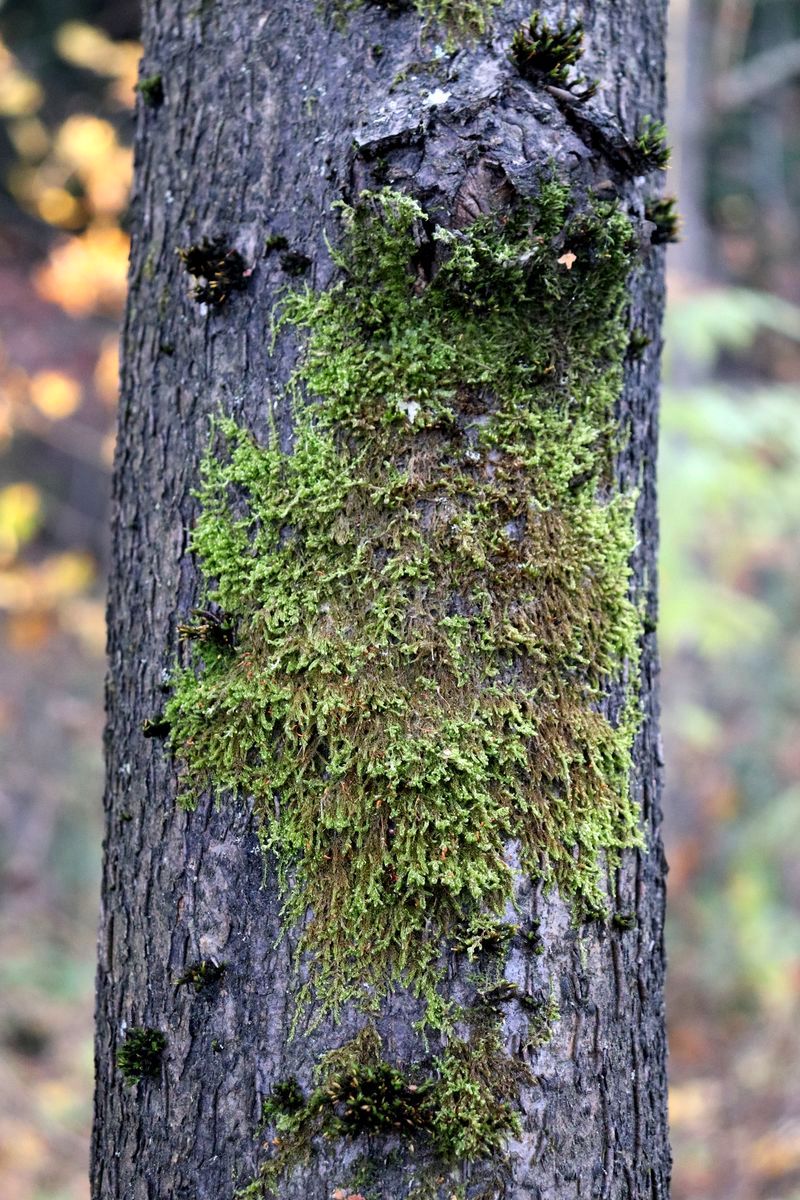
[{"x": 429, "y": 592}]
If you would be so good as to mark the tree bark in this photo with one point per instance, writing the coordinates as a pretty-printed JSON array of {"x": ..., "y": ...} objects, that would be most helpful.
[{"x": 272, "y": 112}]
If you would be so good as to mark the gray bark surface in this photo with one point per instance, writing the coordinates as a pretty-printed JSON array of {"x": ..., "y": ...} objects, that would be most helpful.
[{"x": 272, "y": 113}]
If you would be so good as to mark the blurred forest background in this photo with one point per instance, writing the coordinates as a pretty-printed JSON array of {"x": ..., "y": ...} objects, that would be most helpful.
[{"x": 730, "y": 583}]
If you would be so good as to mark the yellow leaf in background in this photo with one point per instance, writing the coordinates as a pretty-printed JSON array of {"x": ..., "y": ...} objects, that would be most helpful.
[
  {"x": 89, "y": 147},
  {"x": 695, "y": 1103},
  {"x": 106, "y": 372},
  {"x": 123, "y": 89},
  {"x": 29, "y": 588},
  {"x": 20, "y": 95},
  {"x": 67, "y": 574},
  {"x": 85, "y": 46},
  {"x": 29, "y": 137},
  {"x": 13, "y": 394},
  {"x": 55, "y": 394},
  {"x": 20, "y": 514},
  {"x": 86, "y": 620},
  {"x": 29, "y": 630},
  {"x": 777, "y": 1153},
  {"x": 58, "y": 207},
  {"x": 84, "y": 141},
  {"x": 108, "y": 449},
  {"x": 21, "y": 1146},
  {"x": 87, "y": 273}
]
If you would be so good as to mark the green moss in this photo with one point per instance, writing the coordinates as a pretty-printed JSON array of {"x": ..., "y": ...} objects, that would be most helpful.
[
  {"x": 275, "y": 241},
  {"x": 151, "y": 89},
  {"x": 482, "y": 935},
  {"x": 462, "y": 1105},
  {"x": 220, "y": 271},
  {"x": 544, "y": 1014},
  {"x": 294, "y": 263},
  {"x": 662, "y": 211},
  {"x": 652, "y": 150},
  {"x": 461, "y": 17},
  {"x": 430, "y": 592},
  {"x": 200, "y": 975},
  {"x": 474, "y": 1100},
  {"x": 546, "y": 55},
  {"x": 139, "y": 1056},
  {"x": 155, "y": 727}
]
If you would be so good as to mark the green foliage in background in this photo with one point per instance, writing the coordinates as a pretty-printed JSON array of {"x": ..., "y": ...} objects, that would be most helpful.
[{"x": 730, "y": 629}]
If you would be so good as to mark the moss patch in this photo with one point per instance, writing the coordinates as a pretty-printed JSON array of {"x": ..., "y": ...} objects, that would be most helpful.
[
  {"x": 430, "y": 592},
  {"x": 219, "y": 271},
  {"x": 459, "y": 1106},
  {"x": 460, "y": 17},
  {"x": 546, "y": 55},
  {"x": 139, "y": 1056}
]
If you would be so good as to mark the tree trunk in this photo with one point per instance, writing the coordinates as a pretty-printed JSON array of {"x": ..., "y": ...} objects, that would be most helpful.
[{"x": 255, "y": 119}]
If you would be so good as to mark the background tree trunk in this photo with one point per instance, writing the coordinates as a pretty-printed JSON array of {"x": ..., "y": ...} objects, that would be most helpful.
[{"x": 264, "y": 101}]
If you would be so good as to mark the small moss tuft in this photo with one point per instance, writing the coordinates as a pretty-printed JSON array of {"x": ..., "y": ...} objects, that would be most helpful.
[
  {"x": 294, "y": 263},
  {"x": 546, "y": 55},
  {"x": 275, "y": 241},
  {"x": 139, "y": 1056},
  {"x": 156, "y": 727},
  {"x": 662, "y": 211},
  {"x": 651, "y": 147},
  {"x": 151, "y": 89},
  {"x": 482, "y": 935},
  {"x": 221, "y": 271},
  {"x": 201, "y": 974},
  {"x": 210, "y": 626},
  {"x": 461, "y": 18},
  {"x": 461, "y": 1105},
  {"x": 284, "y": 1101}
]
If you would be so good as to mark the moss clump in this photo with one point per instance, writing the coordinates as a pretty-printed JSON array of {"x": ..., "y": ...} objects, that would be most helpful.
[
  {"x": 461, "y": 17},
  {"x": 284, "y": 1101},
  {"x": 662, "y": 211},
  {"x": 462, "y": 1105},
  {"x": 651, "y": 147},
  {"x": 430, "y": 591},
  {"x": 220, "y": 271},
  {"x": 543, "y": 54},
  {"x": 544, "y": 1015},
  {"x": 294, "y": 263},
  {"x": 275, "y": 241},
  {"x": 139, "y": 1056},
  {"x": 201, "y": 975},
  {"x": 155, "y": 727},
  {"x": 210, "y": 625},
  {"x": 482, "y": 935},
  {"x": 151, "y": 89}
]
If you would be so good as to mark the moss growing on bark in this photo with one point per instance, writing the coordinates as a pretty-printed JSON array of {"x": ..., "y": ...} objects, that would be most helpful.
[
  {"x": 139, "y": 1056},
  {"x": 662, "y": 211},
  {"x": 546, "y": 55},
  {"x": 651, "y": 146},
  {"x": 430, "y": 592},
  {"x": 460, "y": 17},
  {"x": 460, "y": 1106},
  {"x": 219, "y": 270}
]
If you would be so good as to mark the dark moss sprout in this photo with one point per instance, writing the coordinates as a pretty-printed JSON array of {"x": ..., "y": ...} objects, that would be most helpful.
[
  {"x": 139, "y": 1056},
  {"x": 545, "y": 54}
]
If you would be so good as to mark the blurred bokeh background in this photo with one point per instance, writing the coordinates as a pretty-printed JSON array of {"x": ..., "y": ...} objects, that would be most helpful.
[{"x": 730, "y": 583}]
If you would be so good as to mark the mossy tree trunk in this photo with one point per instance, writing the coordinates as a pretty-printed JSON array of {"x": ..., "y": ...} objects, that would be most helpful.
[{"x": 464, "y": 787}]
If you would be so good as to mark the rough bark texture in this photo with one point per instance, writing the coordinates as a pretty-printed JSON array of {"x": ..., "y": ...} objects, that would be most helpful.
[{"x": 271, "y": 113}]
